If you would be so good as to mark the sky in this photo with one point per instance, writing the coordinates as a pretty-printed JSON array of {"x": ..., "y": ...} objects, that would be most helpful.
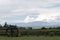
[{"x": 24, "y": 11}]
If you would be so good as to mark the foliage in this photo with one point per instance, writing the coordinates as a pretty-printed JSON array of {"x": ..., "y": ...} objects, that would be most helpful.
[{"x": 15, "y": 31}]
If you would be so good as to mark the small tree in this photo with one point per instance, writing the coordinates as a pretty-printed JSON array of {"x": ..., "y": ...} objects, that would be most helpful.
[
  {"x": 30, "y": 28},
  {"x": 12, "y": 30},
  {"x": 5, "y": 25},
  {"x": 43, "y": 28}
]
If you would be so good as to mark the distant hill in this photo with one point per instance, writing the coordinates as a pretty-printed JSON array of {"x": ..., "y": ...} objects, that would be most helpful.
[{"x": 38, "y": 24}]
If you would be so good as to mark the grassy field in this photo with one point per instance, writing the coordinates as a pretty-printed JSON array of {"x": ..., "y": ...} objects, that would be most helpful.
[{"x": 31, "y": 38}]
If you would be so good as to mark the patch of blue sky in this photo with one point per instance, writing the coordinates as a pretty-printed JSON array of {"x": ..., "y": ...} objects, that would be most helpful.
[{"x": 15, "y": 18}]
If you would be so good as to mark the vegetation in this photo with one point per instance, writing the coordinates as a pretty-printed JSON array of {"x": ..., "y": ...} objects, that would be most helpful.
[{"x": 15, "y": 31}]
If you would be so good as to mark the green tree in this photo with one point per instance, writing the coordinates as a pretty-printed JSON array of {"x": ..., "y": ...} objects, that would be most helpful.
[
  {"x": 12, "y": 30},
  {"x": 5, "y": 25}
]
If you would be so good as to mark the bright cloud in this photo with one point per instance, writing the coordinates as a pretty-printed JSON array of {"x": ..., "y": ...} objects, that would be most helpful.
[
  {"x": 29, "y": 19},
  {"x": 43, "y": 17}
]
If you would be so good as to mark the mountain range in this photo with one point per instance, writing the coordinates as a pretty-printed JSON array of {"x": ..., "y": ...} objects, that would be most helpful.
[{"x": 38, "y": 24}]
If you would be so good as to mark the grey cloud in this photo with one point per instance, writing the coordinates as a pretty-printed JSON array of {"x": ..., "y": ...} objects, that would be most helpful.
[
  {"x": 58, "y": 18},
  {"x": 7, "y": 6}
]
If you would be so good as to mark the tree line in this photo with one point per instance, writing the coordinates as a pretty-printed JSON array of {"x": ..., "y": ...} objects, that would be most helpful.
[{"x": 15, "y": 31}]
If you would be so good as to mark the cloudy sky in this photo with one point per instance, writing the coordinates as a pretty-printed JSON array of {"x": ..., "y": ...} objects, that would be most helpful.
[{"x": 17, "y": 11}]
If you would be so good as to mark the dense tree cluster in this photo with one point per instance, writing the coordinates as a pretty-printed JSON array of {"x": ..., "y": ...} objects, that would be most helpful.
[
  {"x": 15, "y": 31},
  {"x": 9, "y": 30}
]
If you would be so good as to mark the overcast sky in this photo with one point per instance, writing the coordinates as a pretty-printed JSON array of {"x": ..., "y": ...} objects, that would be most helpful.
[{"x": 17, "y": 11}]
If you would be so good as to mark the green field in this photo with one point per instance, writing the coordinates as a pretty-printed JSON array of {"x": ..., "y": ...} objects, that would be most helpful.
[{"x": 31, "y": 38}]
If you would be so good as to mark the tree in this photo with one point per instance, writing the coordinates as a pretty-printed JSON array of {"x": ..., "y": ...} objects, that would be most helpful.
[
  {"x": 43, "y": 28},
  {"x": 12, "y": 30},
  {"x": 5, "y": 25},
  {"x": 0, "y": 26},
  {"x": 30, "y": 28}
]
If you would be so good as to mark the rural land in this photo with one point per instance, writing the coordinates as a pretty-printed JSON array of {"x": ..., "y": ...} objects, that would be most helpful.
[{"x": 13, "y": 32}]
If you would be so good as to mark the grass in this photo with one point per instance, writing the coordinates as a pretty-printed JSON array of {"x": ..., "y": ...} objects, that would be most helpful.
[{"x": 31, "y": 38}]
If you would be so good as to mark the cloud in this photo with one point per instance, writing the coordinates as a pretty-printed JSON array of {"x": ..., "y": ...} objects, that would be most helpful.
[
  {"x": 29, "y": 19},
  {"x": 44, "y": 18},
  {"x": 46, "y": 15},
  {"x": 45, "y": 10}
]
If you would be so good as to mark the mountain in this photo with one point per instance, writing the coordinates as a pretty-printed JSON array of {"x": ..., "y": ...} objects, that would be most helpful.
[
  {"x": 32, "y": 24},
  {"x": 54, "y": 24},
  {"x": 38, "y": 24}
]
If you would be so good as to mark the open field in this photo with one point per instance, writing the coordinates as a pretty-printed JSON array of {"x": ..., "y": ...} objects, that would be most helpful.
[{"x": 31, "y": 38}]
